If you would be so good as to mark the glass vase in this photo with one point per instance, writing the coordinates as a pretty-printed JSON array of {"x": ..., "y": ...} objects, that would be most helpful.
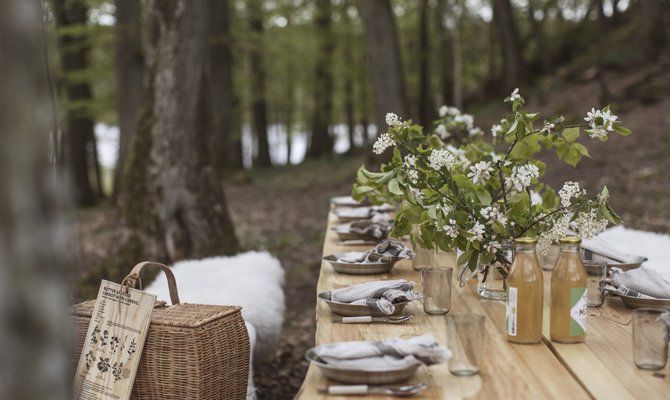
[{"x": 491, "y": 277}]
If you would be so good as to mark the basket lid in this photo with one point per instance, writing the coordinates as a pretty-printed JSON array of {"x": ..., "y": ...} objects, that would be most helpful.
[{"x": 183, "y": 315}]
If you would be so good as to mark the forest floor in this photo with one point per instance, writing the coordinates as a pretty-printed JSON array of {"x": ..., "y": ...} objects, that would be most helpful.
[{"x": 283, "y": 210}]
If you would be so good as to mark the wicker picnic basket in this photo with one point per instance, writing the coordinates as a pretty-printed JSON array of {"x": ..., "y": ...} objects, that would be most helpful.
[{"x": 192, "y": 351}]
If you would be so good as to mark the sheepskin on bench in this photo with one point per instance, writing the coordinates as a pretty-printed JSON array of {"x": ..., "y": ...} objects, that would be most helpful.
[{"x": 252, "y": 280}]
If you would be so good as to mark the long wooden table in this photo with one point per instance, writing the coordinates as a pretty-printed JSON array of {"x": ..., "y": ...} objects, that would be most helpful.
[{"x": 602, "y": 367}]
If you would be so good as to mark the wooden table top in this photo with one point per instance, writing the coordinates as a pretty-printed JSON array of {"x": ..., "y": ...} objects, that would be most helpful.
[{"x": 602, "y": 367}]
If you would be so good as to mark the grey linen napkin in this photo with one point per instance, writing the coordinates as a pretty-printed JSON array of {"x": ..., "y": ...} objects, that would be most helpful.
[
  {"x": 597, "y": 245},
  {"x": 379, "y": 295},
  {"x": 384, "y": 354},
  {"x": 375, "y": 229},
  {"x": 640, "y": 282},
  {"x": 386, "y": 251}
]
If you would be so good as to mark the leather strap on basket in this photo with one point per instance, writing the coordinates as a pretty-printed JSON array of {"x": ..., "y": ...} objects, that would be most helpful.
[{"x": 133, "y": 278}]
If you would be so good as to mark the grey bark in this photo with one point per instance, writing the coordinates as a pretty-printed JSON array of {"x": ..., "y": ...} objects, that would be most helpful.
[
  {"x": 444, "y": 54},
  {"x": 457, "y": 60},
  {"x": 510, "y": 45},
  {"x": 79, "y": 132},
  {"x": 173, "y": 203},
  {"x": 425, "y": 94},
  {"x": 322, "y": 141},
  {"x": 653, "y": 12},
  {"x": 388, "y": 82},
  {"x": 259, "y": 112},
  {"x": 226, "y": 138},
  {"x": 34, "y": 327},
  {"x": 129, "y": 75}
]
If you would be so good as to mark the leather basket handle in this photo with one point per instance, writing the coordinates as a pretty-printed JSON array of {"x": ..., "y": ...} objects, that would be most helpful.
[{"x": 133, "y": 278}]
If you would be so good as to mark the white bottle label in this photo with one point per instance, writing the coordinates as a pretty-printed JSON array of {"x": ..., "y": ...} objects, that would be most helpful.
[
  {"x": 511, "y": 310},
  {"x": 577, "y": 311}
]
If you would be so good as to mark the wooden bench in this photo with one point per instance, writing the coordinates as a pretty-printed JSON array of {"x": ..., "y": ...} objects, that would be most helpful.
[{"x": 601, "y": 368}]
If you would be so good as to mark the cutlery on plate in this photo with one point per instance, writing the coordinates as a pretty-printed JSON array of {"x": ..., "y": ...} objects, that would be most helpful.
[
  {"x": 399, "y": 391},
  {"x": 368, "y": 319}
]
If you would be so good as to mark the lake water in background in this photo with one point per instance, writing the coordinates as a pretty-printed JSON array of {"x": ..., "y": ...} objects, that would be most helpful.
[{"x": 108, "y": 143}]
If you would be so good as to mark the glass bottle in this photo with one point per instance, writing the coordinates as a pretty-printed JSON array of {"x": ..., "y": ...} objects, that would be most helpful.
[
  {"x": 568, "y": 294},
  {"x": 524, "y": 294}
]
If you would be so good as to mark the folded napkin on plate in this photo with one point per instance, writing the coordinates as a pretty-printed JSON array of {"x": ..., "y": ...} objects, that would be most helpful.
[
  {"x": 379, "y": 295},
  {"x": 640, "y": 282},
  {"x": 385, "y": 354},
  {"x": 375, "y": 229},
  {"x": 366, "y": 212},
  {"x": 386, "y": 251},
  {"x": 599, "y": 246}
]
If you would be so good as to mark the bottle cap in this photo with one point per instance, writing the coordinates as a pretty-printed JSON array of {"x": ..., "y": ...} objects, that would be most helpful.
[
  {"x": 525, "y": 240},
  {"x": 570, "y": 240}
]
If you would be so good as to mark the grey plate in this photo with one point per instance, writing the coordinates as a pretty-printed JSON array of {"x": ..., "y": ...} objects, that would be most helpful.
[
  {"x": 354, "y": 214},
  {"x": 355, "y": 310},
  {"x": 346, "y": 201},
  {"x": 361, "y": 377},
  {"x": 637, "y": 302},
  {"x": 589, "y": 255},
  {"x": 358, "y": 268},
  {"x": 344, "y": 233}
]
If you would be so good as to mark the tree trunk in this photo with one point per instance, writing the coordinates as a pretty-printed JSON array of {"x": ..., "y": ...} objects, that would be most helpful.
[
  {"x": 173, "y": 204},
  {"x": 129, "y": 75},
  {"x": 226, "y": 138},
  {"x": 259, "y": 112},
  {"x": 425, "y": 94},
  {"x": 653, "y": 12},
  {"x": 349, "y": 80},
  {"x": 457, "y": 59},
  {"x": 34, "y": 326},
  {"x": 322, "y": 141},
  {"x": 510, "y": 45},
  {"x": 74, "y": 51},
  {"x": 444, "y": 53},
  {"x": 388, "y": 83},
  {"x": 600, "y": 54}
]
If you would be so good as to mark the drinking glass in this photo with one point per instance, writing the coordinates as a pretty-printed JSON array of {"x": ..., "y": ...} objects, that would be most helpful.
[
  {"x": 436, "y": 290},
  {"x": 423, "y": 258},
  {"x": 596, "y": 271},
  {"x": 650, "y": 338},
  {"x": 465, "y": 337}
]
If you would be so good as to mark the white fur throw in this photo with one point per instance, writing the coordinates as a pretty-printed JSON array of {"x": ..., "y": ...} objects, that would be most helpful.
[{"x": 252, "y": 280}]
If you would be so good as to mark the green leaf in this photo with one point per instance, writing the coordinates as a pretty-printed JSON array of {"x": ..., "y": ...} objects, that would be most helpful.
[
  {"x": 571, "y": 134},
  {"x": 483, "y": 195},
  {"x": 394, "y": 187},
  {"x": 623, "y": 131}
]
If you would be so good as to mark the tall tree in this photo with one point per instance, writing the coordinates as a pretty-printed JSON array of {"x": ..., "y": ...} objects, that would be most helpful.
[
  {"x": 226, "y": 138},
  {"x": 259, "y": 111},
  {"x": 173, "y": 203},
  {"x": 34, "y": 328},
  {"x": 456, "y": 16},
  {"x": 600, "y": 53},
  {"x": 510, "y": 45},
  {"x": 79, "y": 133},
  {"x": 129, "y": 75},
  {"x": 388, "y": 83},
  {"x": 444, "y": 53},
  {"x": 425, "y": 94},
  {"x": 322, "y": 141},
  {"x": 653, "y": 12},
  {"x": 349, "y": 89}
]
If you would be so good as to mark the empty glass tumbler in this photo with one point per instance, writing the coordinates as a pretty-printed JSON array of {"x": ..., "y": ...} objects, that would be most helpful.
[
  {"x": 650, "y": 338},
  {"x": 596, "y": 271},
  {"x": 436, "y": 290},
  {"x": 465, "y": 338}
]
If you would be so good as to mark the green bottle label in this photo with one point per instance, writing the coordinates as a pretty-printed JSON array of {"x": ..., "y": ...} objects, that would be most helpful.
[{"x": 577, "y": 311}]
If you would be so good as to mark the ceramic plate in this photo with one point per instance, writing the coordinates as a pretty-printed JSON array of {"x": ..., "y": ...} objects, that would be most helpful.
[{"x": 355, "y": 310}]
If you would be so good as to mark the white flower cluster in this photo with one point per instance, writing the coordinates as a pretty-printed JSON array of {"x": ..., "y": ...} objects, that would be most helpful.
[
  {"x": 557, "y": 231},
  {"x": 493, "y": 246},
  {"x": 492, "y": 213},
  {"x": 480, "y": 172},
  {"x": 410, "y": 165},
  {"x": 548, "y": 127},
  {"x": 477, "y": 232},
  {"x": 451, "y": 229},
  {"x": 522, "y": 176},
  {"x": 515, "y": 96},
  {"x": 383, "y": 142},
  {"x": 445, "y": 208},
  {"x": 440, "y": 158},
  {"x": 568, "y": 191},
  {"x": 446, "y": 110},
  {"x": 392, "y": 119},
  {"x": 588, "y": 224},
  {"x": 601, "y": 122},
  {"x": 496, "y": 130},
  {"x": 456, "y": 122}
]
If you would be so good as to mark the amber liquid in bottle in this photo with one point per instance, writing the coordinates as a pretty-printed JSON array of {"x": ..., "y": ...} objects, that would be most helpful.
[
  {"x": 524, "y": 295},
  {"x": 568, "y": 295}
]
